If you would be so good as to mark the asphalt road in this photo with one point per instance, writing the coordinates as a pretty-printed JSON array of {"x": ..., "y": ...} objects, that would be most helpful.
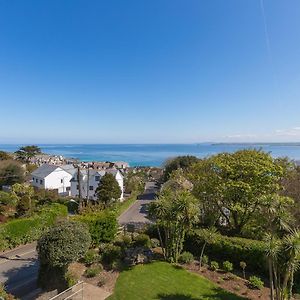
[
  {"x": 19, "y": 270},
  {"x": 137, "y": 213}
]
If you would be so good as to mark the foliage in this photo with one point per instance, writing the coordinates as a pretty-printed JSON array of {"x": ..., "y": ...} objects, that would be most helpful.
[
  {"x": 102, "y": 226},
  {"x": 93, "y": 271},
  {"x": 154, "y": 243},
  {"x": 205, "y": 260},
  {"x": 186, "y": 257},
  {"x": 8, "y": 203},
  {"x": 108, "y": 190},
  {"x": 230, "y": 248},
  {"x": 64, "y": 243},
  {"x": 26, "y": 230},
  {"x": 11, "y": 172},
  {"x": 227, "y": 266},
  {"x": 43, "y": 196},
  {"x": 233, "y": 185},
  {"x": 179, "y": 162},
  {"x": 152, "y": 281},
  {"x": 214, "y": 266},
  {"x": 135, "y": 182},
  {"x": 24, "y": 194},
  {"x": 243, "y": 266},
  {"x": 256, "y": 283},
  {"x": 5, "y": 295},
  {"x": 142, "y": 240},
  {"x": 5, "y": 155},
  {"x": 175, "y": 213},
  {"x": 124, "y": 241},
  {"x": 27, "y": 152},
  {"x": 110, "y": 253},
  {"x": 70, "y": 278},
  {"x": 90, "y": 257}
]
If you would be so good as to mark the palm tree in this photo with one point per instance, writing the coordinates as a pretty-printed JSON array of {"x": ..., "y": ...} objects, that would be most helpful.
[{"x": 209, "y": 236}]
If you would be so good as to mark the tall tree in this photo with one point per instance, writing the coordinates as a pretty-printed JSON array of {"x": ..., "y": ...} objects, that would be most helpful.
[
  {"x": 236, "y": 183},
  {"x": 175, "y": 213},
  {"x": 27, "y": 152},
  {"x": 179, "y": 162},
  {"x": 11, "y": 172},
  {"x": 24, "y": 193},
  {"x": 108, "y": 190}
]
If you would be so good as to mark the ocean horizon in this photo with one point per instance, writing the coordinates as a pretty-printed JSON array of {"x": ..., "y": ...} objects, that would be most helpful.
[{"x": 155, "y": 154}]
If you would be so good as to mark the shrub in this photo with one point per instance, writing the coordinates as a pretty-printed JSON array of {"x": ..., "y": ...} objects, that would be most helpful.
[
  {"x": 154, "y": 243},
  {"x": 205, "y": 260},
  {"x": 26, "y": 230},
  {"x": 102, "y": 281},
  {"x": 214, "y": 266},
  {"x": 256, "y": 283},
  {"x": 71, "y": 279},
  {"x": 102, "y": 226},
  {"x": 110, "y": 253},
  {"x": 124, "y": 241},
  {"x": 65, "y": 242},
  {"x": 230, "y": 248},
  {"x": 227, "y": 266},
  {"x": 93, "y": 271},
  {"x": 142, "y": 240},
  {"x": 186, "y": 257},
  {"x": 243, "y": 266},
  {"x": 90, "y": 257},
  {"x": 4, "y": 295}
]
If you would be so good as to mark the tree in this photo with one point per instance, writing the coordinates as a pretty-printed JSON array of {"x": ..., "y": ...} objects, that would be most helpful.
[
  {"x": 11, "y": 172},
  {"x": 236, "y": 183},
  {"x": 179, "y": 162},
  {"x": 135, "y": 182},
  {"x": 174, "y": 213},
  {"x": 8, "y": 203},
  {"x": 24, "y": 194},
  {"x": 64, "y": 243},
  {"x": 5, "y": 155},
  {"x": 27, "y": 152},
  {"x": 108, "y": 190}
]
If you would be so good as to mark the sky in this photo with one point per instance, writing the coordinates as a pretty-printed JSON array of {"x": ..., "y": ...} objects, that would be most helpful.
[{"x": 159, "y": 71}]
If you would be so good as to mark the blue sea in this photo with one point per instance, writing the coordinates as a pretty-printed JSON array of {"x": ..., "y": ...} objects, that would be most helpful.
[{"x": 155, "y": 154}]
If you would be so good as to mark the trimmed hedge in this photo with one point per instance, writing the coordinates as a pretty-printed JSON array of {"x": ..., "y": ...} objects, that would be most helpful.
[
  {"x": 26, "y": 230},
  {"x": 102, "y": 226},
  {"x": 233, "y": 249}
]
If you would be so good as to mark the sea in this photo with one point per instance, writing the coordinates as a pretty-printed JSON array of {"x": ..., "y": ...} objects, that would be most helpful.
[{"x": 156, "y": 154}]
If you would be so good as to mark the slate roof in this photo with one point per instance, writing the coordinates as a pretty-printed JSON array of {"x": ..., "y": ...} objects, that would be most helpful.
[{"x": 44, "y": 170}]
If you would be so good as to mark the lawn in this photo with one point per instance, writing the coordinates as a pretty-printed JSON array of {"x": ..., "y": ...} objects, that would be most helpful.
[{"x": 164, "y": 281}]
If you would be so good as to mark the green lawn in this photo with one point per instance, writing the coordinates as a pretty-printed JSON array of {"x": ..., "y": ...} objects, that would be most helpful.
[{"x": 164, "y": 281}]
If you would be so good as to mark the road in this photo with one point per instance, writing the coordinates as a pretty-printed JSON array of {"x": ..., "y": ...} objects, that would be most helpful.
[
  {"x": 19, "y": 271},
  {"x": 137, "y": 213}
]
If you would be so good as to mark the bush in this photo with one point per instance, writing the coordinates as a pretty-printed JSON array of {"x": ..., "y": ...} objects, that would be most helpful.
[
  {"x": 102, "y": 226},
  {"x": 90, "y": 257},
  {"x": 186, "y": 258},
  {"x": 124, "y": 241},
  {"x": 71, "y": 279},
  {"x": 214, "y": 266},
  {"x": 256, "y": 283},
  {"x": 26, "y": 230},
  {"x": 93, "y": 271},
  {"x": 110, "y": 253},
  {"x": 230, "y": 248},
  {"x": 65, "y": 242},
  {"x": 4, "y": 295},
  {"x": 102, "y": 281},
  {"x": 227, "y": 266},
  {"x": 142, "y": 240},
  {"x": 205, "y": 260}
]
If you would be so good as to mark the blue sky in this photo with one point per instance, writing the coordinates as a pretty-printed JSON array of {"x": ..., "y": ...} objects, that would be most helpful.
[{"x": 149, "y": 71}]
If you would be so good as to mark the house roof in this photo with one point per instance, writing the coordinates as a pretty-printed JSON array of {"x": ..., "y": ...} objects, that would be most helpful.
[
  {"x": 44, "y": 170},
  {"x": 69, "y": 168}
]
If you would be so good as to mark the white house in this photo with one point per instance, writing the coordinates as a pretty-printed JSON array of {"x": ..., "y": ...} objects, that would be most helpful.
[
  {"x": 89, "y": 181},
  {"x": 53, "y": 177}
]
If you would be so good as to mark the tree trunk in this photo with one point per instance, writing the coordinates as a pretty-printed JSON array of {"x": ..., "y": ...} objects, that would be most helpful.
[
  {"x": 271, "y": 278},
  {"x": 201, "y": 256}
]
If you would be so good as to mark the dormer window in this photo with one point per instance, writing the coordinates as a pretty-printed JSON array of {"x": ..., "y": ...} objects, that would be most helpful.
[{"x": 97, "y": 178}]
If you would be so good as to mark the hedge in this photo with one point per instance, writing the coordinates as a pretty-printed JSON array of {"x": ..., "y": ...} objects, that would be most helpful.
[
  {"x": 102, "y": 225},
  {"x": 26, "y": 230},
  {"x": 233, "y": 249}
]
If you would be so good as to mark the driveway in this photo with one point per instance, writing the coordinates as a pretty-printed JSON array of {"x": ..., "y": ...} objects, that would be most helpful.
[
  {"x": 19, "y": 271},
  {"x": 137, "y": 213}
]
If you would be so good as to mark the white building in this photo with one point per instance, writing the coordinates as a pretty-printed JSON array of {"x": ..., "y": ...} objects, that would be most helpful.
[
  {"x": 89, "y": 181},
  {"x": 53, "y": 177}
]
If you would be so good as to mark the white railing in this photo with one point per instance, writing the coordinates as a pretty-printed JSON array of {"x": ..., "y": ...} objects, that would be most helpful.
[{"x": 75, "y": 292}]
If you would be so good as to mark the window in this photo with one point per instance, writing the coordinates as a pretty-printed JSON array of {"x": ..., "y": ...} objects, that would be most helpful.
[
  {"x": 41, "y": 181},
  {"x": 61, "y": 181},
  {"x": 68, "y": 188},
  {"x": 77, "y": 187},
  {"x": 36, "y": 180},
  {"x": 91, "y": 188},
  {"x": 97, "y": 178},
  {"x": 32, "y": 178}
]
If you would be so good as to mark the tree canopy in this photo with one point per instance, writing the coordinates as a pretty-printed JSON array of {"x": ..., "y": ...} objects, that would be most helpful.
[
  {"x": 235, "y": 184},
  {"x": 108, "y": 190},
  {"x": 11, "y": 172},
  {"x": 5, "y": 155},
  {"x": 27, "y": 152}
]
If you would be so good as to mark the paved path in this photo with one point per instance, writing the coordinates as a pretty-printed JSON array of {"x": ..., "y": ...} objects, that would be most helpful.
[
  {"x": 19, "y": 271},
  {"x": 137, "y": 213}
]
